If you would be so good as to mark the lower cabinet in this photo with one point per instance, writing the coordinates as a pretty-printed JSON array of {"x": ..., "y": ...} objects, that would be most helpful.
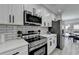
[
  {"x": 51, "y": 44},
  {"x": 18, "y": 51}
]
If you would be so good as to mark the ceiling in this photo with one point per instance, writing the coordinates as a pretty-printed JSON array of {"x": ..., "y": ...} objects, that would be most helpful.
[{"x": 69, "y": 11}]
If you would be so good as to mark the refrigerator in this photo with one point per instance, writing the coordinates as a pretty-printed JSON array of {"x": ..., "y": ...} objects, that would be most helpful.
[{"x": 57, "y": 29}]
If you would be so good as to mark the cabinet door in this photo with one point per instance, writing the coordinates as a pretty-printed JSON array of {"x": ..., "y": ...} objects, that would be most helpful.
[
  {"x": 4, "y": 14},
  {"x": 50, "y": 45},
  {"x": 45, "y": 22},
  {"x": 28, "y": 7},
  {"x": 54, "y": 42},
  {"x": 43, "y": 13},
  {"x": 50, "y": 23},
  {"x": 17, "y": 14},
  {"x": 23, "y": 50}
]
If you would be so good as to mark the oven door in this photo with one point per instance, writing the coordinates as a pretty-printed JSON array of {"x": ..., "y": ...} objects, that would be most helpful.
[{"x": 39, "y": 51}]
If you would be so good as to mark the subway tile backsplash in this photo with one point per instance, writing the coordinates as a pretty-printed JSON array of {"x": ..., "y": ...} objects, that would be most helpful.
[
  {"x": 12, "y": 30},
  {"x": 3, "y": 28}
]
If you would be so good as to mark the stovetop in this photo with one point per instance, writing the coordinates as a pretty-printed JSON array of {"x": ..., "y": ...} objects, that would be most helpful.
[{"x": 34, "y": 39}]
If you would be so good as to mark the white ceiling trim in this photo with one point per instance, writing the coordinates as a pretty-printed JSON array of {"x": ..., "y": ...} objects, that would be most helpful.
[{"x": 70, "y": 11}]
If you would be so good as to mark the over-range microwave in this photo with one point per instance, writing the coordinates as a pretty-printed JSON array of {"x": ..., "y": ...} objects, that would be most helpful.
[{"x": 31, "y": 19}]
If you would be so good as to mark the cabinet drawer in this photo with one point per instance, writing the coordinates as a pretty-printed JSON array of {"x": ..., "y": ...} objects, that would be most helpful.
[{"x": 18, "y": 51}]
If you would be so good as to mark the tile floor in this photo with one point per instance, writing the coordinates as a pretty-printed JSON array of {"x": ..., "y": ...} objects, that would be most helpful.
[{"x": 69, "y": 49}]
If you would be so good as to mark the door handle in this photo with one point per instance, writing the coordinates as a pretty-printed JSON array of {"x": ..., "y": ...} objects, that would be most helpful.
[
  {"x": 13, "y": 18},
  {"x": 9, "y": 18}
]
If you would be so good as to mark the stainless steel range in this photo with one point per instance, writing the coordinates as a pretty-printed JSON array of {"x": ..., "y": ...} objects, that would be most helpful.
[{"x": 37, "y": 44}]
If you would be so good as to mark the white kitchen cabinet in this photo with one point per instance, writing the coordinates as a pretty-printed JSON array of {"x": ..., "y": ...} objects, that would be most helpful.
[
  {"x": 51, "y": 42},
  {"x": 4, "y": 14},
  {"x": 28, "y": 7},
  {"x": 49, "y": 22},
  {"x": 50, "y": 45},
  {"x": 17, "y": 14},
  {"x": 54, "y": 40},
  {"x": 46, "y": 23},
  {"x": 31, "y": 7},
  {"x": 18, "y": 51},
  {"x": 46, "y": 19},
  {"x": 11, "y": 14}
]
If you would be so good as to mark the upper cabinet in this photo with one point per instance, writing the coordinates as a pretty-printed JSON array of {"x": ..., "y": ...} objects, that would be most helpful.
[
  {"x": 17, "y": 14},
  {"x": 30, "y": 7},
  {"x": 11, "y": 14},
  {"x": 46, "y": 19},
  {"x": 4, "y": 14}
]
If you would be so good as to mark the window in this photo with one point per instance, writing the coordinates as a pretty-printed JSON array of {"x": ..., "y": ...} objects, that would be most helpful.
[
  {"x": 76, "y": 26},
  {"x": 67, "y": 26}
]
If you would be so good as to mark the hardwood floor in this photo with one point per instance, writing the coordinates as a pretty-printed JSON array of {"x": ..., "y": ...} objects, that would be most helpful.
[{"x": 69, "y": 49}]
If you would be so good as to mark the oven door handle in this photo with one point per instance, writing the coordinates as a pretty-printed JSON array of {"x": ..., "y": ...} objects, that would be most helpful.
[{"x": 15, "y": 53}]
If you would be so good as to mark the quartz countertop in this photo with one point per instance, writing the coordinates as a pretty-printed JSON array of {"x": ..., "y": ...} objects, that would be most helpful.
[
  {"x": 12, "y": 44},
  {"x": 48, "y": 35}
]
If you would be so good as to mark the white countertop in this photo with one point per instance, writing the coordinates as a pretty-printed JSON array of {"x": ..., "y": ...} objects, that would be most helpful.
[
  {"x": 48, "y": 35},
  {"x": 12, "y": 44}
]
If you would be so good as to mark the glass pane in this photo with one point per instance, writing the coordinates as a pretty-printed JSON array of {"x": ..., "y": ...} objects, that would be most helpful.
[{"x": 76, "y": 26}]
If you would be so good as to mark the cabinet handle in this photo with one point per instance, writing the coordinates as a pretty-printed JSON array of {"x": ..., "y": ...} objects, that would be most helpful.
[
  {"x": 50, "y": 43},
  {"x": 13, "y": 18},
  {"x": 44, "y": 24},
  {"x": 10, "y": 18},
  {"x": 48, "y": 24},
  {"x": 50, "y": 39},
  {"x": 15, "y": 53},
  {"x": 53, "y": 41}
]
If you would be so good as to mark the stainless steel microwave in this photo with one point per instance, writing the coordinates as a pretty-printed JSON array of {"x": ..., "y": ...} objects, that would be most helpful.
[{"x": 31, "y": 19}]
